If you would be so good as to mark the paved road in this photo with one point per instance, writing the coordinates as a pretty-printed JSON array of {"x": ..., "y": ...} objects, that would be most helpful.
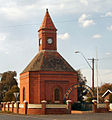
[{"x": 90, "y": 116}]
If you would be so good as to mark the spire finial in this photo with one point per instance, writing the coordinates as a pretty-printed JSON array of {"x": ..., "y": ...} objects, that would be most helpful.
[{"x": 46, "y": 9}]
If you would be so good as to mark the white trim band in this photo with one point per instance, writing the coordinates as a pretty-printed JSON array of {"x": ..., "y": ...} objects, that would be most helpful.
[{"x": 35, "y": 106}]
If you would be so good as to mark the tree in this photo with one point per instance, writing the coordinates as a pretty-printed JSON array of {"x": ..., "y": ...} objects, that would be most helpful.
[
  {"x": 81, "y": 91},
  {"x": 8, "y": 85},
  {"x": 89, "y": 99},
  {"x": 110, "y": 98},
  {"x": 15, "y": 88},
  {"x": 102, "y": 89},
  {"x": 9, "y": 96},
  {"x": 8, "y": 80}
]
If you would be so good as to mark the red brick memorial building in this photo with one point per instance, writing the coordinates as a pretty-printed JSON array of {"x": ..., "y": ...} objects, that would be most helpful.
[
  {"x": 48, "y": 75},
  {"x": 44, "y": 82}
]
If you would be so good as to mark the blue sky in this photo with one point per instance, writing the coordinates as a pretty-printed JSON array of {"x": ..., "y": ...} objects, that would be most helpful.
[{"x": 83, "y": 25}]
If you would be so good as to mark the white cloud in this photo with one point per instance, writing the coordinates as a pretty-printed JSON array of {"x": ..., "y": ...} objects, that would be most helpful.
[
  {"x": 108, "y": 14},
  {"x": 63, "y": 36},
  {"x": 84, "y": 21},
  {"x": 82, "y": 18},
  {"x": 108, "y": 53},
  {"x": 109, "y": 28},
  {"x": 15, "y": 11},
  {"x": 2, "y": 36},
  {"x": 20, "y": 9},
  {"x": 3, "y": 49},
  {"x": 96, "y": 36},
  {"x": 77, "y": 6},
  {"x": 87, "y": 23},
  {"x": 85, "y": 2}
]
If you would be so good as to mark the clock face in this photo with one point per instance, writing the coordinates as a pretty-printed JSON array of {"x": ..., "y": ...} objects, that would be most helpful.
[
  {"x": 40, "y": 41},
  {"x": 49, "y": 40}
]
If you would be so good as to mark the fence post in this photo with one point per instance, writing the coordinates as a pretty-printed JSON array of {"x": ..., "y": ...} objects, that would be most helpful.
[
  {"x": 17, "y": 106},
  {"x": 8, "y": 103},
  {"x": 94, "y": 105},
  {"x": 43, "y": 107},
  {"x": 1, "y": 106},
  {"x": 107, "y": 104},
  {"x": 4, "y": 104},
  {"x": 25, "y": 107},
  {"x": 69, "y": 102},
  {"x": 12, "y": 106}
]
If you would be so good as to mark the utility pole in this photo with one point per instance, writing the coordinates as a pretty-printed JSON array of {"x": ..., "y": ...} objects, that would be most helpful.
[
  {"x": 92, "y": 72},
  {"x": 92, "y": 67}
]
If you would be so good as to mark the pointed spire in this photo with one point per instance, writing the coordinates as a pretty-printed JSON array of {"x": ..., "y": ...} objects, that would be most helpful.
[{"x": 47, "y": 22}]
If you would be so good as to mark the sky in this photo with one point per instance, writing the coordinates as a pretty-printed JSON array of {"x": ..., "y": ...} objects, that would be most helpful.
[{"x": 83, "y": 25}]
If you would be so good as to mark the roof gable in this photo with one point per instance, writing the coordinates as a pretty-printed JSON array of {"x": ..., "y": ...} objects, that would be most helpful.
[{"x": 107, "y": 92}]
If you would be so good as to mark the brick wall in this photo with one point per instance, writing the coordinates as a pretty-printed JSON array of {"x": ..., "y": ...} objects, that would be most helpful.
[
  {"x": 24, "y": 83},
  {"x": 40, "y": 86}
]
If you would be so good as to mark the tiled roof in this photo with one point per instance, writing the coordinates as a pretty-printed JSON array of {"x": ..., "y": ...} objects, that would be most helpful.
[{"x": 49, "y": 61}]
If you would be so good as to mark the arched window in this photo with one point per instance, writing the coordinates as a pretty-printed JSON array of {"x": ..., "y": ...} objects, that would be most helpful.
[
  {"x": 23, "y": 93},
  {"x": 56, "y": 94}
]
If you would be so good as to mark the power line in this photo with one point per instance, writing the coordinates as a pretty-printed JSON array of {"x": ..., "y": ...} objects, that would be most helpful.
[
  {"x": 62, "y": 21},
  {"x": 19, "y": 25}
]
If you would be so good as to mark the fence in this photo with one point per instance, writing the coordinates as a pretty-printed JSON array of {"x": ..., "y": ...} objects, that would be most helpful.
[
  {"x": 42, "y": 108},
  {"x": 101, "y": 108},
  {"x": 82, "y": 106}
]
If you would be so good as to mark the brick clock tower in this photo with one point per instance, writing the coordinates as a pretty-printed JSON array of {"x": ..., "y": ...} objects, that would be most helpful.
[{"x": 48, "y": 75}]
